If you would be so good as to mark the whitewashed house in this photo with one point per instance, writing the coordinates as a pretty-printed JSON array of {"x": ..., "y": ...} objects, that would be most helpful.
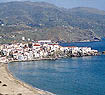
[{"x": 3, "y": 59}]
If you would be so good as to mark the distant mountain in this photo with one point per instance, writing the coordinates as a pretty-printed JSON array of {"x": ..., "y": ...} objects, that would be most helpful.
[
  {"x": 89, "y": 18},
  {"x": 40, "y": 20},
  {"x": 88, "y": 10}
]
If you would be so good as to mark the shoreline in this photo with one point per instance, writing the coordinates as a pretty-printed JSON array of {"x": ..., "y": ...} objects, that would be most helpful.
[{"x": 10, "y": 85}]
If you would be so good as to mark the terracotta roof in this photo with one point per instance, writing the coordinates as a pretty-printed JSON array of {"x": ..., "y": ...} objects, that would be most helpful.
[{"x": 36, "y": 44}]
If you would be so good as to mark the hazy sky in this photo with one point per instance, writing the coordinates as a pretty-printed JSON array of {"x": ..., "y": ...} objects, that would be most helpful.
[{"x": 99, "y": 4}]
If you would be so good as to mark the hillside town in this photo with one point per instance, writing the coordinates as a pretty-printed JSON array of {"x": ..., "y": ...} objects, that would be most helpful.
[{"x": 39, "y": 50}]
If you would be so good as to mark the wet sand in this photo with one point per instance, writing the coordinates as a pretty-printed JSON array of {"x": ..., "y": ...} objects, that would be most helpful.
[{"x": 11, "y": 86}]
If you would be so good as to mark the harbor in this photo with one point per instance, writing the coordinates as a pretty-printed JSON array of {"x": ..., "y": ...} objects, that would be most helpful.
[
  {"x": 52, "y": 47},
  {"x": 28, "y": 52},
  {"x": 66, "y": 76}
]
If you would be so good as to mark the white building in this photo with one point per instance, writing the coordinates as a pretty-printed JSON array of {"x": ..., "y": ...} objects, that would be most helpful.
[
  {"x": 3, "y": 59},
  {"x": 44, "y": 41}
]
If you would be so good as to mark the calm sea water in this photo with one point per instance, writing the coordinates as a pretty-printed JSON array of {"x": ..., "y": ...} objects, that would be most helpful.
[
  {"x": 100, "y": 46},
  {"x": 68, "y": 76}
]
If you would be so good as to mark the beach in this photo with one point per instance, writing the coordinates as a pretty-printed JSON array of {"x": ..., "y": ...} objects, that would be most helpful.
[{"x": 9, "y": 85}]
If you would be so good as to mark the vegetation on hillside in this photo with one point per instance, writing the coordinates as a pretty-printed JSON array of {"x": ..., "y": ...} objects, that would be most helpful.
[{"x": 40, "y": 20}]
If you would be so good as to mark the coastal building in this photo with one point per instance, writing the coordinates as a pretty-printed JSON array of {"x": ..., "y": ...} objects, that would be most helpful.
[
  {"x": 42, "y": 49},
  {"x": 44, "y": 41},
  {"x": 36, "y": 46},
  {"x": 3, "y": 59}
]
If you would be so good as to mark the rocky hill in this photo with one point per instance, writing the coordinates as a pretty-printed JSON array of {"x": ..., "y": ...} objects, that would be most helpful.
[{"x": 40, "y": 20}]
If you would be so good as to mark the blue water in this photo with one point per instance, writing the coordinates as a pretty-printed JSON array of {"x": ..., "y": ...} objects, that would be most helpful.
[
  {"x": 100, "y": 45},
  {"x": 68, "y": 76}
]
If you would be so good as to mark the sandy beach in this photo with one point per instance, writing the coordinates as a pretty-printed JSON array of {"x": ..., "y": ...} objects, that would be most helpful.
[{"x": 11, "y": 86}]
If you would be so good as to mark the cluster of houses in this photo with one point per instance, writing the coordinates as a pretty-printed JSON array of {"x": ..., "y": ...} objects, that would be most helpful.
[
  {"x": 43, "y": 49},
  {"x": 72, "y": 51}
]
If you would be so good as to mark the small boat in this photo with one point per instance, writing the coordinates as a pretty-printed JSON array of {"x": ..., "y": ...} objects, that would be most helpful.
[{"x": 103, "y": 52}]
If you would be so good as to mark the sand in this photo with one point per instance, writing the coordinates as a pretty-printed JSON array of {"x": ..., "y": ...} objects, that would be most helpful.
[{"x": 11, "y": 86}]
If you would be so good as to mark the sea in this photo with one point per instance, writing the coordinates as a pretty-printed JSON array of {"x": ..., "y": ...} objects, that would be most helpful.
[{"x": 66, "y": 76}]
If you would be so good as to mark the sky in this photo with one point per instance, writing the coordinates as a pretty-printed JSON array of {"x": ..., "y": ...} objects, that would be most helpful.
[{"x": 99, "y": 4}]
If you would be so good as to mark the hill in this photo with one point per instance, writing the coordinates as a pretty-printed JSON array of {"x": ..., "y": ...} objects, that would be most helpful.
[{"x": 40, "y": 20}]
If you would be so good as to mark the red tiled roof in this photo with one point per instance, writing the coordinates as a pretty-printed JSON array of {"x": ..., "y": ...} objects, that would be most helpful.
[{"x": 36, "y": 45}]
